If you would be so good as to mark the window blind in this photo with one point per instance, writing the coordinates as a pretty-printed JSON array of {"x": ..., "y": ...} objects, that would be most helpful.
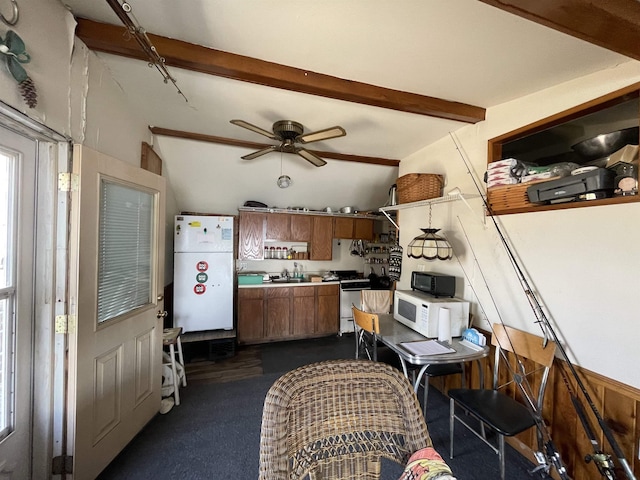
[{"x": 125, "y": 249}]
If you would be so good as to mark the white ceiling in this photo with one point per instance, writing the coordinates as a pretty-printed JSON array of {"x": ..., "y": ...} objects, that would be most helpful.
[{"x": 458, "y": 50}]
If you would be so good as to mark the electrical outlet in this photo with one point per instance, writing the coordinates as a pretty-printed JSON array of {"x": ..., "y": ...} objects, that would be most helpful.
[{"x": 243, "y": 266}]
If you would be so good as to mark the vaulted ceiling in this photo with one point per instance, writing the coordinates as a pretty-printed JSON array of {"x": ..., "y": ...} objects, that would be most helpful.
[{"x": 397, "y": 75}]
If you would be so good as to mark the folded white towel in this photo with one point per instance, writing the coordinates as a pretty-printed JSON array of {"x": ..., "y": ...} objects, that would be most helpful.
[{"x": 376, "y": 301}]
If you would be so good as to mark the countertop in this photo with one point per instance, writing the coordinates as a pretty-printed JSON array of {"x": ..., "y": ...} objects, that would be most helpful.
[{"x": 289, "y": 284}]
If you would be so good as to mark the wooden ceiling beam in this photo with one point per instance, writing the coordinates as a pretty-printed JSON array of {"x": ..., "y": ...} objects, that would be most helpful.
[
  {"x": 201, "y": 137},
  {"x": 611, "y": 24},
  {"x": 115, "y": 40}
]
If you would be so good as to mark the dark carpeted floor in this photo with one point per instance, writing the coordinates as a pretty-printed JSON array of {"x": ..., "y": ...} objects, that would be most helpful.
[{"x": 215, "y": 432}]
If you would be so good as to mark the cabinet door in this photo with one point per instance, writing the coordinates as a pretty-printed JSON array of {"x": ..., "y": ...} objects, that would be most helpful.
[
  {"x": 328, "y": 309},
  {"x": 363, "y": 229},
  {"x": 304, "y": 310},
  {"x": 250, "y": 315},
  {"x": 278, "y": 226},
  {"x": 300, "y": 228},
  {"x": 278, "y": 312},
  {"x": 251, "y": 236},
  {"x": 322, "y": 238},
  {"x": 343, "y": 227}
]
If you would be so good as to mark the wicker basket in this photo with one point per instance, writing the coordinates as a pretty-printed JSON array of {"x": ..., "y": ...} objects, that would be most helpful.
[{"x": 414, "y": 187}]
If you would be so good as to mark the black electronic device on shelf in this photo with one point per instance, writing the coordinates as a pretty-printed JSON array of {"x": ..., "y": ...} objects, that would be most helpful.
[{"x": 599, "y": 182}]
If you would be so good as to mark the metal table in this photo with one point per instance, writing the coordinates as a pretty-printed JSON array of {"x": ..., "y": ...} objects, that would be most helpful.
[{"x": 393, "y": 333}]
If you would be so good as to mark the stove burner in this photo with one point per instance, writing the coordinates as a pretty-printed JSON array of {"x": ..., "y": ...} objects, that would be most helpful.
[{"x": 347, "y": 275}]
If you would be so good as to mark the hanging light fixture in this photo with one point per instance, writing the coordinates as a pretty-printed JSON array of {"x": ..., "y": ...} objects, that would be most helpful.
[
  {"x": 283, "y": 180},
  {"x": 429, "y": 245}
]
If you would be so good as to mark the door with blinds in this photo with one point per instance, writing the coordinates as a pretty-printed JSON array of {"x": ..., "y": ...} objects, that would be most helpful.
[{"x": 116, "y": 306}]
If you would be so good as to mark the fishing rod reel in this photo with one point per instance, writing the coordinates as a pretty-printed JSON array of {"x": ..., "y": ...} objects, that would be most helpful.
[
  {"x": 547, "y": 461},
  {"x": 604, "y": 464}
]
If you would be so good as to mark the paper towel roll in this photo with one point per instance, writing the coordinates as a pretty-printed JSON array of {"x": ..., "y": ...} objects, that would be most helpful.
[{"x": 444, "y": 325}]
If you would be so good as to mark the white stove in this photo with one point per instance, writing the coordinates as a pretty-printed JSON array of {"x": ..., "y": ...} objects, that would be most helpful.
[{"x": 350, "y": 288}]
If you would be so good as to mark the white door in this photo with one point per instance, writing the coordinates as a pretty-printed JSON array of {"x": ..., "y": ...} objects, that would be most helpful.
[
  {"x": 116, "y": 300},
  {"x": 17, "y": 218}
]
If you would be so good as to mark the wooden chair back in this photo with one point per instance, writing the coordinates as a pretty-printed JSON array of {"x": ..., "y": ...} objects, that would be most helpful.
[
  {"x": 535, "y": 357},
  {"x": 368, "y": 322}
]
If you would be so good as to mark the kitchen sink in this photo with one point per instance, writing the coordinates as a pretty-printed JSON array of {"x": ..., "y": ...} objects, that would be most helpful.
[{"x": 287, "y": 280}]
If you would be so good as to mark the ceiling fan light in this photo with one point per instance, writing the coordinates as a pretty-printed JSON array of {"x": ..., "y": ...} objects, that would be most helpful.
[{"x": 284, "y": 181}]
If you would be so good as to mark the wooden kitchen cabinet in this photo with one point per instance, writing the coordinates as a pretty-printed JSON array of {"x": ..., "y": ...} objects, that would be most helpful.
[
  {"x": 278, "y": 226},
  {"x": 300, "y": 228},
  {"x": 321, "y": 238},
  {"x": 250, "y": 315},
  {"x": 343, "y": 227},
  {"x": 268, "y": 314},
  {"x": 363, "y": 229},
  {"x": 304, "y": 310},
  {"x": 327, "y": 309},
  {"x": 353, "y": 228},
  {"x": 318, "y": 231},
  {"x": 277, "y": 313},
  {"x": 251, "y": 236}
]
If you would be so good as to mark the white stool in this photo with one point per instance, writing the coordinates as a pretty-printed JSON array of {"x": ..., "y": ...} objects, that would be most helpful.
[{"x": 171, "y": 338}]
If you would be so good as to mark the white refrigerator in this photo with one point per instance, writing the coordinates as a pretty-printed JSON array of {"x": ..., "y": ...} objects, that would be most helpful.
[{"x": 203, "y": 273}]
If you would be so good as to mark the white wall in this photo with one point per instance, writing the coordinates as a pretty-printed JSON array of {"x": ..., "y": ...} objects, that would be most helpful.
[
  {"x": 583, "y": 264},
  {"x": 76, "y": 95}
]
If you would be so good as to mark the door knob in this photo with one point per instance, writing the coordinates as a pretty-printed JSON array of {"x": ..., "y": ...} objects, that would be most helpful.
[{"x": 161, "y": 314}]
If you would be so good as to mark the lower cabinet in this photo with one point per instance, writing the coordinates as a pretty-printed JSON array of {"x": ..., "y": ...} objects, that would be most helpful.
[
  {"x": 328, "y": 309},
  {"x": 250, "y": 315},
  {"x": 278, "y": 312},
  {"x": 267, "y": 314},
  {"x": 304, "y": 310}
]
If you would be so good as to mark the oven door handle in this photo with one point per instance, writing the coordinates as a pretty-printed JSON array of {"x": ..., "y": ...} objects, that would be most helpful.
[{"x": 357, "y": 289}]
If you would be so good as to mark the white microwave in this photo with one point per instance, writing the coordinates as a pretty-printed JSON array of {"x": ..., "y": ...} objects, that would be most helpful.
[{"x": 421, "y": 312}]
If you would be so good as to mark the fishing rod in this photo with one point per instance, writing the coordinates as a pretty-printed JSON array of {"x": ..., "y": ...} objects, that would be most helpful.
[
  {"x": 547, "y": 454},
  {"x": 602, "y": 460},
  {"x": 541, "y": 319}
]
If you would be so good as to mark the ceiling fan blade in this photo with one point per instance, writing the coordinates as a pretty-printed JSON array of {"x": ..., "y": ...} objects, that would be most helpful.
[
  {"x": 259, "y": 153},
  {"x": 253, "y": 128},
  {"x": 311, "y": 157},
  {"x": 325, "y": 134}
]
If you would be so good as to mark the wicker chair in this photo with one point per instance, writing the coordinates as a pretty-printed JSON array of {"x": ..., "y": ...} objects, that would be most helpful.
[{"x": 337, "y": 419}]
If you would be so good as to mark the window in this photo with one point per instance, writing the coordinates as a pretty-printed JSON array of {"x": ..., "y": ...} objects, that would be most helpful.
[
  {"x": 125, "y": 250},
  {"x": 8, "y": 208}
]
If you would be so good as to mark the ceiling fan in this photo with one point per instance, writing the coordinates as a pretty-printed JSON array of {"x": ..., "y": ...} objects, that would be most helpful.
[{"x": 289, "y": 133}]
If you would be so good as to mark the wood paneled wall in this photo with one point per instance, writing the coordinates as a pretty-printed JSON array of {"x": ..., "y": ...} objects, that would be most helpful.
[{"x": 618, "y": 404}]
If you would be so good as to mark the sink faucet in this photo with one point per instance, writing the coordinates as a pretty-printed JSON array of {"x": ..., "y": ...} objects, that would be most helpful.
[{"x": 285, "y": 273}]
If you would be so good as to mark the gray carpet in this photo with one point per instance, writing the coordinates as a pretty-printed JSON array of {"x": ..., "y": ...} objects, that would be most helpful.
[{"x": 215, "y": 432}]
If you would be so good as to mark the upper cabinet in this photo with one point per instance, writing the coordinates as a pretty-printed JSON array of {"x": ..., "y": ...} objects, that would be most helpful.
[
  {"x": 251, "y": 236},
  {"x": 300, "y": 228},
  {"x": 570, "y": 139},
  {"x": 278, "y": 226},
  {"x": 260, "y": 229},
  {"x": 353, "y": 228},
  {"x": 321, "y": 238}
]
